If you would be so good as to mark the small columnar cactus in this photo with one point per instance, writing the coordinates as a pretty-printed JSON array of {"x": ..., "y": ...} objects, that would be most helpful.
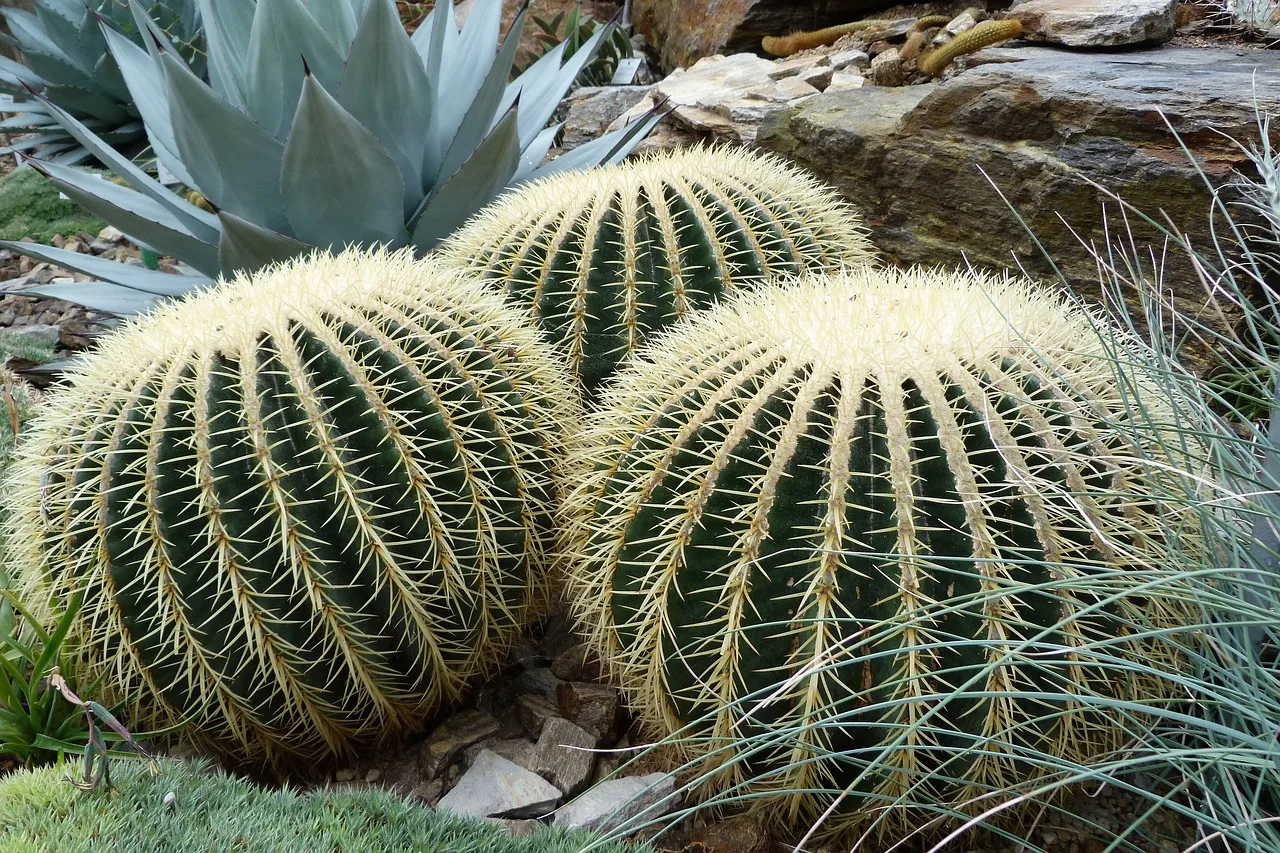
[
  {"x": 863, "y": 533},
  {"x": 306, "y": 508},
  {"x": 608, "y": 257}
]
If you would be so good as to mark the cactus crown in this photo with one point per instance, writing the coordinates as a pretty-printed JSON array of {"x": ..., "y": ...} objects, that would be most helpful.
[
  {"x": 306, "y": 508},
  {"x": 608, "y": 257},
  {"x": 895, "y": 499}
]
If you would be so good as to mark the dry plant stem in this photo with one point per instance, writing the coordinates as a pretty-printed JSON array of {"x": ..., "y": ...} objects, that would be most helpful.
[
  {"x": 796, "y": 42},
  {"x": 983, "y": 35}
]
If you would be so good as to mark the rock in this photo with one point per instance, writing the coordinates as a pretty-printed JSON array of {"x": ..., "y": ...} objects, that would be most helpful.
[
  {"x": 111, "y": 234},
  {"x": 534, "y": 711},
  {"x": 454, "y": 735},
  {"x": 611, "y": 804},
  {"x": 1097, "y": 23},
  {"x": 886, "y": 68},
  {"x": 577, "y": 663},
  {"x": 593, "y": 707},
  {"x": 842, "y": 82},
  {"x": 728, "y": 96},
  {"x": 517, "y": 828},
  {"x": 819, "y": 77},
  {"x": 909, "y": 157},
  {"x": 964, "y": 21},
  {"x": 346, "y": 774},
  {"x": 591, "y": 109},
  {"x": 516, "y": 750},
  {"x": 496, "y": 787},
  {"x": 539, "y": 681},
  {"x": 563, "y": 756},
  {"x": 849, "y": 58},
  {"x": 685, "y": 31}
]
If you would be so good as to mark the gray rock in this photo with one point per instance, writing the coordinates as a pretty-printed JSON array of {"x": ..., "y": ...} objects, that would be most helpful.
[
  {"x": 577, "y": 663},
  {"x": 685, "y": 31},
  {"x": 591, "y": 109},
  {"x": 1097, "y": 23},
  {"x": 849, "y": 59},
  {"x": 593, "y": 707},
  {"x": 1038, "y": 126},
  {"x": 610, "y": 804},
  {"x": 563, "y": 756},
  {"x": 534, "y": 711},
  {"x": 886, "y": 68},
  {"x": 496, "y": 787},
  {"x": 454, "y": 735},
  {"x": 516, "y": 750},
  {"x": 540, "y": 681}
]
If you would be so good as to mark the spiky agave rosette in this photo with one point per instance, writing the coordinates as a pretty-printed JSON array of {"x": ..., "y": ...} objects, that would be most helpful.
[
  {"x": 877, "y": 539},
  {"x": 307, "y": 508},
  {"x": 608, "y": 257}
]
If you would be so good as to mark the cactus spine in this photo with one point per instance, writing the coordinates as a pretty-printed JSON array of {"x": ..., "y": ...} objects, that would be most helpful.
[
  {"x": 860, "y": 514},
  {"x": 608, "y": 257},
  {"x": 307, "y": 508}
]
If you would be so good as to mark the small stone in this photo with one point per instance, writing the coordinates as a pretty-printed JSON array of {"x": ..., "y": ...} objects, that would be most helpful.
[
  {"x": 428, "y": 791},
  {"x": 346, "y": 774},
  {"x": 516, "y": 828},
  {"x": 454, "y": 735},
  {"x": 960, "y": 23},
  {"x": 74, "y": 245},
  {"x": 373, "y": 775},
  {"x": 886, "y": 68},
  {"x": 577, "y": 663},
  {"x": 534, "y": 711},
  {"x": 539, "y": 680},
  {"x": 496, "y": 787},
  {"x": 563, "y": 756},
  {"x": 58, "y": 241},
  {"x": 850, "y": 58},
  {"x": 111, "y": 234},
  {"x": 795, "y": 65},
  {"x": 819, "y": 77},
  {"x": 593, "y": 707},
  {"x": 842, "y": 82},
  {"x": 98, "y": 245},
  {"x": 516, "y": 749},
  {"x": 610, "y": 804}
]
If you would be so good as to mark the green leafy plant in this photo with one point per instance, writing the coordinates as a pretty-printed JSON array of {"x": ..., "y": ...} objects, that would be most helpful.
[
  {"x": 185, "y": 806},
  {"x": 31, "y": 209},
  {"x": 322, "y": 125},
  {"x": 607, "y": 260},
  {"x": 327, "y": 497},
  {"x": 877, "y": 546},
  {"x": 575, "y": 29},
  {"x": 66, "y": 62}
]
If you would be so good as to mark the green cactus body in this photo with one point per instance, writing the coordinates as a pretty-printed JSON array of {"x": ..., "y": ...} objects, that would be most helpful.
[
  {"x": 608, "y": 257},
  {"x": 307, "y": 508},
  {"x": 982, "y": 35},
  {"x": 864, "y": 510}
]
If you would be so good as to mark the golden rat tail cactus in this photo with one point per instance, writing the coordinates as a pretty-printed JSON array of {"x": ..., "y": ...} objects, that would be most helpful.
[
  {"x": 982, "y": 35},
  {"x": 877, "y": 532},
  {"x": 608, "y": 257},
  {"x": 307, "y": 509}
]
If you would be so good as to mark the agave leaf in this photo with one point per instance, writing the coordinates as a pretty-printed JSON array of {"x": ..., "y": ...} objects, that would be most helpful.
[
  {"x": 143, "y": 219},
  {"x": 469, "y": 61},
  {"x": 532, "y": 156},
  {"x": 63, "y": 29},
  {"x": 339, "y": 184},
  {"x": 482, "y": 113},
  {"x": 431, "y": 40},
  {"x": 233, "y": 159},
  {"x": 227, "y": 25},
  {"x": 284, "y": 37},
  {"x": 86, "y": 101},
  {"x": 28, "y": 32},
  {"x": 338, "y": 19},
  {"x": 150, "y": 96},
  {"x": 107, "y": 74},
  {"x": 383, "y": 86},
  {"x": 539, "y": 102},
  {"x": 158, "y": 43},
  {"x": 195, "y": 220},
  {"x": 611, "y": 148},
  {"x": 124, "y": 275},
  {"x": 16, "y": 74},
  {"x": 54, "y": 69},
  {"x": 101, "y": 296},
  {"x": 246, "y": 246},
  {"x": 479, "y": 181}
]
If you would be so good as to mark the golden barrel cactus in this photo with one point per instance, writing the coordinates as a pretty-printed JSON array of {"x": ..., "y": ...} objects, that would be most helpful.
[
  {"x": 607, "y": 257},
  {"x": 306, "y": 508},
  {"x": 878, "y": 533}
]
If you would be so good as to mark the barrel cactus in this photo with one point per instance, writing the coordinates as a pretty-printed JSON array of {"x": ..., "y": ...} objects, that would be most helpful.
[
  {"x": 306, "y": 509},
  {"x": 608, "y": 257},
  {"x": 878, "y": 535}
]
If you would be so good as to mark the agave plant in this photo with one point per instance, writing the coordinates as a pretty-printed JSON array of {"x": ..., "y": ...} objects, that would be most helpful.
[
  {"x": 65, "y": 59},
  {"x": 322, "y": 125}
]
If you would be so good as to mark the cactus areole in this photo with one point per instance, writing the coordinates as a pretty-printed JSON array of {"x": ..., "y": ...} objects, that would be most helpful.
[
  {"x": 307, "y": 509},
  {"x": 868, "y": 514}
]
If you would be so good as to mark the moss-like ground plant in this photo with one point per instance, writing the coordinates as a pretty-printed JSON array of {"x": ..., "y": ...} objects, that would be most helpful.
[{"x": 31, "y": 209}]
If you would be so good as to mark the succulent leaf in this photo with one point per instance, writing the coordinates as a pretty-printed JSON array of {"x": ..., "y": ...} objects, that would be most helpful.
[
  {"x": 879, "y": 538},
  {"x": 306, "y": 511}
]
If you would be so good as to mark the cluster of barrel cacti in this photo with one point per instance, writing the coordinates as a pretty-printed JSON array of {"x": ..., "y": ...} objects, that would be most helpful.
[{"x": 845, "y": 513}]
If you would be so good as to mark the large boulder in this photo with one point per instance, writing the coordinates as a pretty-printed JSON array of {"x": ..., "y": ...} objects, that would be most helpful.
[
  {"x": 928, "y": 164},
  {"x": 684, "y": 31}
]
